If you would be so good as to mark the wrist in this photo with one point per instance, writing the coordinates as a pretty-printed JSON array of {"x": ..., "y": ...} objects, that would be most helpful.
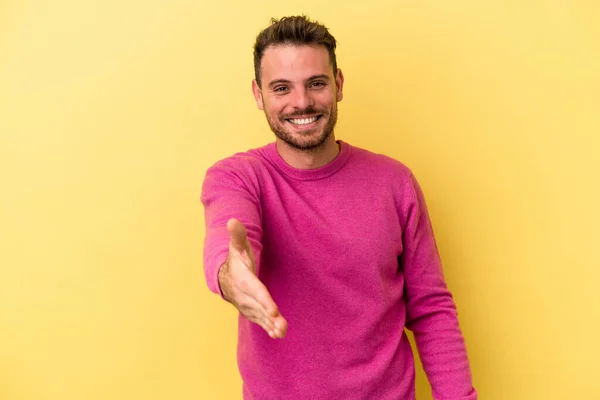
[{"x": 221, "y": 276}]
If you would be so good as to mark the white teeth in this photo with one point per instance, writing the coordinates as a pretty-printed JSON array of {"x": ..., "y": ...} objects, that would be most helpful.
[{"x": 303, "y": 121}]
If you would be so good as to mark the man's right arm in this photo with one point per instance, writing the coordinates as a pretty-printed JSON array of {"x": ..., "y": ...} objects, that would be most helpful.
[
  {"x": 232, "y": 251},
  {"x": 225, "y": 195}
]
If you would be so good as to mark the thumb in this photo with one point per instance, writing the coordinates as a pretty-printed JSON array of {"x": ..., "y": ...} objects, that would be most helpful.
[{"x": 237, "y": 235}]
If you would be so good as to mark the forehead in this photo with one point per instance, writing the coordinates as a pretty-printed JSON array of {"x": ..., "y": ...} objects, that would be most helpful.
[{"x": 293, "y": 62}]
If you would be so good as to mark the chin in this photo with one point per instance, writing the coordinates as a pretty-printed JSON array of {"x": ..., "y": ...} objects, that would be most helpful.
[{"x": 305, "y": 141}]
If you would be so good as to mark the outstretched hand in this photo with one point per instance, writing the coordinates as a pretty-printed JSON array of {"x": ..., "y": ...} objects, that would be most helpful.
[{"x": 242, "y": 288}]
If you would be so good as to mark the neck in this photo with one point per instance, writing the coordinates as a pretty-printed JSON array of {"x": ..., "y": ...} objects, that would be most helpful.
[{"x": 309, "y": 159}]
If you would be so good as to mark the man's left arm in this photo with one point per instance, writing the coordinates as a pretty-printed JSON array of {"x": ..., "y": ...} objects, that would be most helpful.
[{"x": 430, "y": 309}]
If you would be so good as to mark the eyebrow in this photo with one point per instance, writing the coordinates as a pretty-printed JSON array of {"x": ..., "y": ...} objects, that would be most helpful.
[{"x": 285, "y": 81}]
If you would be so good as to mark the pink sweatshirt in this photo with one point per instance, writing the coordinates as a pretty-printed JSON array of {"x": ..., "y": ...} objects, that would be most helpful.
[{"x": 348, "y": 254}]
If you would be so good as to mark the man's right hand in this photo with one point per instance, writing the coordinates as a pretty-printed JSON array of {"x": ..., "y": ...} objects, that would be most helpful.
[{"x": 242, "y": 288}]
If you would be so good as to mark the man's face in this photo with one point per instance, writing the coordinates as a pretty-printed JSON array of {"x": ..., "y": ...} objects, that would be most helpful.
[{"x": 299, "y": 94}]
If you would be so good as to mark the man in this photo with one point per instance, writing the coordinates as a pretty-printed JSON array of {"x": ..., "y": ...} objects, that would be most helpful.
[{"x": 326, "y": 249}]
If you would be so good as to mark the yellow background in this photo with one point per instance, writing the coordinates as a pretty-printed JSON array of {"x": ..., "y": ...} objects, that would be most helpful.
[{"x": 111, "y": 112}]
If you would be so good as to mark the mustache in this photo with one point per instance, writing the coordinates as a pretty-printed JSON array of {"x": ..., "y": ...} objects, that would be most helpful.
[{"x": 306, "y": 111}]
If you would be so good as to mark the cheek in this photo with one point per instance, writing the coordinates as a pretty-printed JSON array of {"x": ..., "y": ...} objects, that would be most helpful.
[
  {"x": 275, "y": 107},
  {"x": 326, "y": 99},
  {"x": 274, "y": 113}
]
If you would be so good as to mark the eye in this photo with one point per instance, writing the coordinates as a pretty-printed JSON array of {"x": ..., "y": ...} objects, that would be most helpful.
[
  {"x": 317, "y": 84},
  {"x": 280, "y": 89}
]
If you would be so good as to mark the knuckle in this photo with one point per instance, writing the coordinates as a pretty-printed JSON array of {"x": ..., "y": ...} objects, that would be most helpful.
[
  {"x": 248, "y": 313},
  {"x": 245, "y": 306}
]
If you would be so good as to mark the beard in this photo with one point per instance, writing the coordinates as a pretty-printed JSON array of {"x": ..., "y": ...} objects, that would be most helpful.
[{"x": 304, "y": 141}]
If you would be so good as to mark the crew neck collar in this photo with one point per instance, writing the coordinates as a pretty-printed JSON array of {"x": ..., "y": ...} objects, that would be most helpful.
[{"x": 310, "y": 174}]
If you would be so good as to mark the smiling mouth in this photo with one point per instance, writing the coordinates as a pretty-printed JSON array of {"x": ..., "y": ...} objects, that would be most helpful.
[{"x": 303, "y": 121}]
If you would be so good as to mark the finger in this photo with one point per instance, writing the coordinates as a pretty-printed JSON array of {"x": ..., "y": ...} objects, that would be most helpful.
[
  {"x": 272, "y": 312},
  {"x": 254, "y": 312},
  {"x": 237, "y": 235},
  {"x": 281, "y": 326},
  {"x": 259, "y": 292},
  {"x": 263, "y": 323},
  {"x": 252, "y": 302},
  {"x": 276, "y": 328}
]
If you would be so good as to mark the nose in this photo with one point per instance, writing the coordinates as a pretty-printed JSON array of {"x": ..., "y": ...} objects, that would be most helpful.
[{"x": 302, "y": 99}]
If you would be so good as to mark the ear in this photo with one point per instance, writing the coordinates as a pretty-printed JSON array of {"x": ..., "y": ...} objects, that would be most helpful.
[
  {"x": 257, "y": 94},
  {"x": 339, "y": 83}
]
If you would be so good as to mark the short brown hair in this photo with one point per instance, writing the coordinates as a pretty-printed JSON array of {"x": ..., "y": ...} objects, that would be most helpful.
[{"x": 297, "y": 30}]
